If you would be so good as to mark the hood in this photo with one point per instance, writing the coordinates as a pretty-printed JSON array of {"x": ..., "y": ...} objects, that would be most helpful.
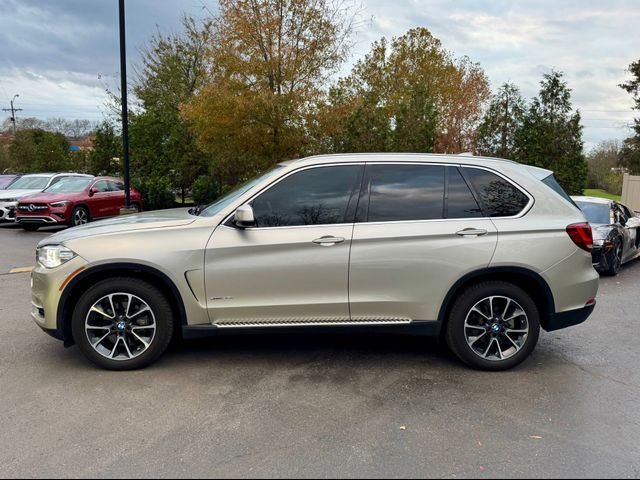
[
  {"x": 142, "y": 221},
  {"x": 9, "y": 194},
  {"x": 48, "y": 197}
]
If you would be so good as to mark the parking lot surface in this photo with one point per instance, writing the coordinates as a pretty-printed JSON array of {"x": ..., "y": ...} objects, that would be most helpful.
[{"x": 313, "y": 405}]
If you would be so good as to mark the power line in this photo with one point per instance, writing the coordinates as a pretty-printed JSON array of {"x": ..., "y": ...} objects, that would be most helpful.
[{"x": 13, "y": 111}]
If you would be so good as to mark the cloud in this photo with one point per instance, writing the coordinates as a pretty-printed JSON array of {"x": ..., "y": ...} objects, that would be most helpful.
[{"x": 59, "y": 54}]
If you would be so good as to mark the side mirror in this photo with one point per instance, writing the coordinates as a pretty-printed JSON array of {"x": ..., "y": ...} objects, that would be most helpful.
[
  {"x": 243, "y": 217},
  {"x": 92, "y": 192}
]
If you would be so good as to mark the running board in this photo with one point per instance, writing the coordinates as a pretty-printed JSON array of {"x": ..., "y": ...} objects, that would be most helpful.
[{"x": 274, "y": 323}]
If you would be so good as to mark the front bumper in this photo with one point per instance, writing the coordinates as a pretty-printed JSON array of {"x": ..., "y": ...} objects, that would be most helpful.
[
  {"x": 8, "y": 211},
  {"x": 43, "y": 216},
  {"x": 46, "y": 292}
]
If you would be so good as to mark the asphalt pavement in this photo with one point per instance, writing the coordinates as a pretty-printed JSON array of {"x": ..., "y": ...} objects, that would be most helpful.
[{"x": 319, "y": 406}]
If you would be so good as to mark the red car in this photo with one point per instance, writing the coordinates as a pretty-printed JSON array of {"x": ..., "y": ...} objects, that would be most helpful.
[{"x": 75, "y": 201}]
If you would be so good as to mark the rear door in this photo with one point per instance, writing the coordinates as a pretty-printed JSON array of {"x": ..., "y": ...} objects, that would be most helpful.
[
  {"x": 117, "y": 197},
  {"x": 418, "y": 230}
]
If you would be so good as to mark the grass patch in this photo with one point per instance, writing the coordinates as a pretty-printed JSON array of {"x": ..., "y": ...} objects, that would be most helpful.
[{"x": 602, "y": 194}]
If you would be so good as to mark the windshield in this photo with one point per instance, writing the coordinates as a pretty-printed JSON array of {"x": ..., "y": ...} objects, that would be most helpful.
[
  {"x": 227, "y": 199},
  {"x": 29, "y": 183},
  {"x": 72, "y": 185},
  {"x": 5, "y": 180},
  {"x": 596, "y": 213}
]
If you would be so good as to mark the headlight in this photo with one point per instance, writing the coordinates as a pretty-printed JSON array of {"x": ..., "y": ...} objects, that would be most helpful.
[
  {"x": 64, "y": 203},
  {"x": 52, "y": 256}
]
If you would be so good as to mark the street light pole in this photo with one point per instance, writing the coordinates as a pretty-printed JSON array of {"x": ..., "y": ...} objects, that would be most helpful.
[{"x": 125, "y": 111}]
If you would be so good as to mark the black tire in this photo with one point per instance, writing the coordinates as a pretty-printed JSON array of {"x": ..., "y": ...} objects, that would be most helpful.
[
  {"x": 614, "y": 260},
  {"x": 74, "y": 221},
  {"x": 136, "y": 205},
  {"x": 29, "y": 227},
  {"x": 155, "y": 299},
  {"x": 455, "y": 333}
]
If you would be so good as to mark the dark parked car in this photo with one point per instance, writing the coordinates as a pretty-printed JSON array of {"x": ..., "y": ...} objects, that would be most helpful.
[
  {"x": 75, "y": 201},
  {"x": 615, "y": 233},
  {"x": 6, "y": 180}
]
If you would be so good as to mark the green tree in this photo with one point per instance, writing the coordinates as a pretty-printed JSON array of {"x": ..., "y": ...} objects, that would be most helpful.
[
  {"x": 37, "y": 150},
  {"x": 415, "y": 89},
  {"x": 107, "y": 147},
  {"x": 630, "y": 154},
  {"x": 603, "y": 163},
  {"x": 496, "y": 136},
  {"x": 551, "y": 135},
  {"x": 173, "y": 68},
  {"x": 268, "y": 62}
]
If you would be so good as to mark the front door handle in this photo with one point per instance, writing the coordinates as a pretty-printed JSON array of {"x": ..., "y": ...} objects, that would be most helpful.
[
  {"x": 472, "y": 232},
  {"x": 328, "y": 240}
]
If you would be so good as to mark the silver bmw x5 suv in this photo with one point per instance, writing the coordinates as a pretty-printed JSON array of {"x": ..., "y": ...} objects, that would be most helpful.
[{"x": 482, "y": 251}]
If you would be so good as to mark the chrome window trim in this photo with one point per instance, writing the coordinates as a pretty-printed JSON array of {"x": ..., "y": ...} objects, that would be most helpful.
[
  {"x": 278, "y": 180},
  {"x": 522, "y": 213}
]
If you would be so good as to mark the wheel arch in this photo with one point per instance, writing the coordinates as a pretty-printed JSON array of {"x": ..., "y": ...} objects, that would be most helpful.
[
  {"x": 528, "y": 280},
  {"x": 85, "y": 279}
]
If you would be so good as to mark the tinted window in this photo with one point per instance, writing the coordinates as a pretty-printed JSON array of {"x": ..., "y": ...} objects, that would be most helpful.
[
  {"x": 317, "y": 196},
  {"x": 499, "y": 197},
  {"x": 405, "y": 192},
  {"x": 116, "y": 186},
  {"x": 596, "y": 213},
  {"x": 101, "y": 186},
  {"x": 460, "y": 201}
]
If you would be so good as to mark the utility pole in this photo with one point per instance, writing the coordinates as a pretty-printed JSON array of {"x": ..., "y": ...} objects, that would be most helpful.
[
  {"x": 13, "y": 111},
  {"x": 125, "y": 110}
]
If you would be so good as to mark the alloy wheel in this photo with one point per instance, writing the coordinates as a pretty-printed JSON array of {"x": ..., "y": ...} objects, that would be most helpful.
[
  {"x": 120, "y": 326},
  {"x": 496, "y": 328},
  {"x": 80, "y": 217}
]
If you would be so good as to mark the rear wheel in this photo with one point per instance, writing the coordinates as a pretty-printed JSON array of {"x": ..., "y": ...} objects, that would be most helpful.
[
  {"x": 123, "y": 324},
  {"x": 79, "y": 216},
  {"x": 493, "y": 326},
  {"x": 614, "y": 259}
]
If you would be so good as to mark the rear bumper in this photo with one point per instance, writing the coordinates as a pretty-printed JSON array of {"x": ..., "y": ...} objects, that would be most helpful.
[{"x": 561, "y": 320}]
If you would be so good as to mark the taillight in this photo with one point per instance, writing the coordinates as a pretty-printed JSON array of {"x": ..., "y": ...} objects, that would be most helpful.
[{"x": 581, "y": 235}]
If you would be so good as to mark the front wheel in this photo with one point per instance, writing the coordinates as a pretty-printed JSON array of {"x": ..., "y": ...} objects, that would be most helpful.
[
  {"x": 79, "y": 216},
  {"x": 123, "y": 324},
  {"x": 493, "y": 326}
]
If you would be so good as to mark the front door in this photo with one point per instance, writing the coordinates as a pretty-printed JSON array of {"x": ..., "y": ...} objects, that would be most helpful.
[
  {"x": 100, "y": 202},
  {"x": 292, "y": 268},
  {"x": 418, "y": 229}
]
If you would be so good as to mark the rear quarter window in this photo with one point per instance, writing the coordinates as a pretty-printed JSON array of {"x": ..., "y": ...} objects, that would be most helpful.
[{"x": 498, "y": 196}]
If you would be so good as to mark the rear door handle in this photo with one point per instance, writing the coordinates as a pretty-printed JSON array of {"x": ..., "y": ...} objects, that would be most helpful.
[
  {"x": 328, "y": 240},
  {"x": 472, "y": 232}
]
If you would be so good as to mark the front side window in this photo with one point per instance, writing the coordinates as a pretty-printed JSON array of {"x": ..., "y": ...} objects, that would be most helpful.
[
  {"x": 499, "y": 197},
  {"x": 101, "y": 186},
  {"x": 316, "y": 196},
  {"x": 403, "y": 193}
]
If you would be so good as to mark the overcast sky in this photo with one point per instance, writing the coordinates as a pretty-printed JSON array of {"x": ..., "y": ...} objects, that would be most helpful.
[{"x": 58, "y": 55}]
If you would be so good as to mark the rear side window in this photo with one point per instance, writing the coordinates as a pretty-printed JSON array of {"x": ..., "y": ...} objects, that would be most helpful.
[
  {"x": 404, "y": 192},
  {"x": 460, "y": 201},
  {"x": 499, "y": 197},
  {"x": 316, "y": 196},
  {"x": 116, "y": 186}
]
